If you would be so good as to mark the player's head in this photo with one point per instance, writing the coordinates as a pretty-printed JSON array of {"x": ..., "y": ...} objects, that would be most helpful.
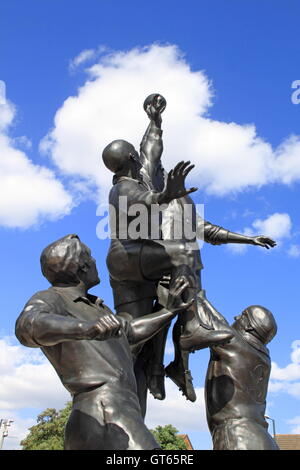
[
  {"x": 68, "y": 261},
  {"x": 258, "y": 321},
  {"x": 120, "y": 157}
]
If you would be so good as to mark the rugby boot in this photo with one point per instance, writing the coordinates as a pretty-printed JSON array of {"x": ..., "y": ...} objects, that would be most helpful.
[
  {"x": 179, "y": 373},
  {"x": 156, "y": 381}
]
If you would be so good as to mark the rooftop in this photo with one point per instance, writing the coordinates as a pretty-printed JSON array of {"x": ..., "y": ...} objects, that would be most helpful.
[{"x": 288, "y": 441}]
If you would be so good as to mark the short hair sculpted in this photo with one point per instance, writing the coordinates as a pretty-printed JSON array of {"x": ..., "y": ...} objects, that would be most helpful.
[
  {"x": 115, "y": 155},
  {"x": 61, "y": 260}
]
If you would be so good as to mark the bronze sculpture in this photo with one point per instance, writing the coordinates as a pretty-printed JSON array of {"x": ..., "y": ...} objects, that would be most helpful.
[
  {"x": 237, "y": 380},
  {"x": 107, "y": 361},
  {"x": 89, "y": 348},
  {"x": 132, "y": 293}
]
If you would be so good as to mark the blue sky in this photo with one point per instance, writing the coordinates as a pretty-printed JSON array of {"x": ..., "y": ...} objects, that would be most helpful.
[{"x": 76, "y": 74}]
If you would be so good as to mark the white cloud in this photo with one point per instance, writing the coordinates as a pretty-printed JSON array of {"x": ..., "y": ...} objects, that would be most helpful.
[
  {"x": 7, "y": 114},
  {"x": 28, "y": 384},
  {"x": 169, "y": 349},
  {"x": 2, "y": 92},
  {"x": 109, "y": 106},
  {"x": 228, "y": 156},
  {"x": 28, "y": 192},
  {"x": 292, "y": 370},
  {"x": 83, "y": 56},
  {"x": 87, "y": 55},
  {"x": 176, "y": 410},
  {"x": 27, "y": 379},
  {"x": 295, "y": 422},
  {"x": 287, "y": 164},
  {"x": 277, "y": 226},
  {"x": 287, "y": 379},
  {"x": 294, "y": 251},
  {"x": 236, "y": 248},
  {"x": 23, "y": 141}
]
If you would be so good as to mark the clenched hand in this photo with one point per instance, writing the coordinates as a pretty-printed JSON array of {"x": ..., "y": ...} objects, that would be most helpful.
[{"x": 104, "y": 328}]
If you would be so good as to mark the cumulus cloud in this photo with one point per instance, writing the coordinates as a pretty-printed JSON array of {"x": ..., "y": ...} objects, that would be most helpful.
[
  {"x": 169, "y": 349},
  {"x": 27, "y": 379},
  {"x": 287, "y": 379},
  {"x": 28, "y": 192},
  {"x": 238, "y": 249},
  {"x": 229, "y": 157},
  {"x": 82, "y": 57},
  {"x": 28, "y": 385},
  {"x": 7, "y": 114},
  {"x": 295, "y": 422},
  {"x": 188, "y": 417},
  {"x": 277, "y": 226},
  {"x": 287, "y": 163},
  {"x": 87, "y": 55},
  {"x": 294, "y": 251},
  {"x": 2, "y": 92},
  {"x": 109, "y": 106},
  {"x": 29, "y": 382}
]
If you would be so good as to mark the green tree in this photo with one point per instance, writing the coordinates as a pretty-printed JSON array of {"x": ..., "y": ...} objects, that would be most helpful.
[
  {"x": 48, "y": 433},
  {"x": 167, "y": 437}
]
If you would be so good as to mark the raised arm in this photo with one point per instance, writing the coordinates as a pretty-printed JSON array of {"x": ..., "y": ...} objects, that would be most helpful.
[
  {"x": 151, "y": 147},
  {"x": 174, "y": 189}
]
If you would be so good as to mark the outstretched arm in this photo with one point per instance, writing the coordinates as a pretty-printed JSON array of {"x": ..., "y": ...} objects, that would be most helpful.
[
  {"x": 217, "y": 235},
  {"x": 260, "y": 240}
]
